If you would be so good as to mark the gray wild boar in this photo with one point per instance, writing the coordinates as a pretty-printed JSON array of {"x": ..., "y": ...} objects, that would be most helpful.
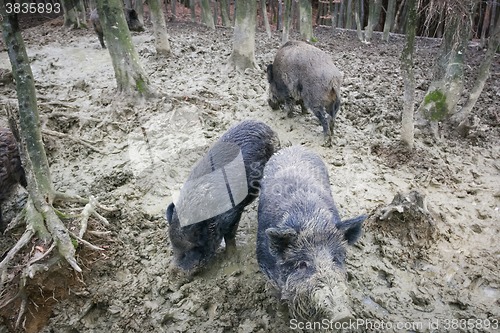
[
  {"x": 301, "y": 241},
  {"x": 306, "y": 75}
]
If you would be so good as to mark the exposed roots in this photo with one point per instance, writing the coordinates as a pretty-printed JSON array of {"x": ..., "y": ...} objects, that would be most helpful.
[{"x": 61, "y": 237}]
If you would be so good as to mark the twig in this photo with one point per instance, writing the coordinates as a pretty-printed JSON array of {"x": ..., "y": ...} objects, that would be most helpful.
[
  {"x": 25, "y": 238},
  {"x": 79, "y": 140},
  {"x": 43, "y": 256},
  {"x": 98, "y": 233},
  {"x": 93, "y": 247}
]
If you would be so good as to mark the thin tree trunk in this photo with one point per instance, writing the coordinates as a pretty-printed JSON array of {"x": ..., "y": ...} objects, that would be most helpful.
[
  {"x": 234, "y": 12},
  {"x": 482, "y": 76},
  {"x": 206, "y": 14},
  {"x": 224, "y": 13},
  {"x": 280, "y": 17},
  {"x": 448, "y": 81},
  {"x": 341, "y": 14},
  {"x": 216, "y": 12},
  {"x": 349, "y": 15},
  {"x": 485, "y": 24},
  {"x": 391, "y": 8},
  {"x": 493, "y": 16},
  {"x": 129, "y": 73},
  {"x": 265, "y": 18},
  {"x": 243, "y": 55},
  {"x": 335, "y": 18},
  {"x": 139, "y": 8},
  {"x": 173, "y": 10},
  {"x": 286, "y": 23},
  {"x": 395, "y": 27},
  {"x": 318, "y": 12},
  {"x": 81, "y": 13},
  {"x": 358, "y": 23},
  {"x": 408, "y": 76},
  {"x": 69, "y": 14},
  {"x": 160, "y": 27},
  {"x": 371, "y": 18},
  {"x": 305, "y": 20},
  {"x": 192, "y": 4},
  {"x": 403, "y": 19}
]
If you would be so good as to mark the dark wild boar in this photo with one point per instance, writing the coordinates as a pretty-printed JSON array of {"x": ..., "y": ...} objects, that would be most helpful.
[
  {"x": 130, "y": 16},
  {"x": 301, "y": 241},
  {"x": 11, "y": 169},
  {"x": 213, "y": 198}
]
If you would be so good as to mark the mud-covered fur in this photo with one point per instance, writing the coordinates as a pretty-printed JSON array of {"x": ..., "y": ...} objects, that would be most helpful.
[
  {"x": 130, "y": 16},
  {"x": 194, "y": 245},
  {"x": 11, "y": 170},
  {"x": 304, "y": 74},
  {"x": 301, "y": 241}
]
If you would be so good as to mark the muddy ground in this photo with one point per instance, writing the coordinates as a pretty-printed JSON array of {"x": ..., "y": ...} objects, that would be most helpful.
[{"x": 426, "y": 268}]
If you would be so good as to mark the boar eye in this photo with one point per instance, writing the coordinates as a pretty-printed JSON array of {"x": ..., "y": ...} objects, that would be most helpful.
[{"x": 303, "y": 265}]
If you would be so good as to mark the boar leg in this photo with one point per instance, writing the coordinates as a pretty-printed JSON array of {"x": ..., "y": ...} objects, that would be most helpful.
[{"x": 230, "y": 236}]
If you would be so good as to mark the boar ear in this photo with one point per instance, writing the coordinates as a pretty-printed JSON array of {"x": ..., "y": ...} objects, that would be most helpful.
[
  {"x": 280, "y": 239},
  {"x": 270, "y": 73},
  {"x": 352, "y": 228},
  {"x": 170, "y": 212}
]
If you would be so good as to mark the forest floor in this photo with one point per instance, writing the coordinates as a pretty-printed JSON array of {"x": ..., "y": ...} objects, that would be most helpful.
[{"x": 425, "y": 273}]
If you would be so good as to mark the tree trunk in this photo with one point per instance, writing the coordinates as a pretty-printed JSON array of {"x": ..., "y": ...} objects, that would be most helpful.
[
  {"x": 81, "y": 13},
  {"x": 286, "y": 23},
  {"x": 391, "y": 8},
  {"x": 332, "y": 17},
  {"x": 341, "y": 14},
  {"x": 243, "y": 55},
  {"x": 69, "y": 14},
  {"x": 234, "y": 13},
  {"x": 398, "y": 14},
  {"x": 408, "y": 77},
  {"x": 294, "y": 15},
  {"x": 358, "y": 23},
  {"x": 160, "y": 27},
  {"x": 348, "y": 24},
  {"x": 130, "y": 75},
  {"x": 206, "y": 14},
  {"x": 216, "y": 12},
  {"x": 493, "y": 15},
  {"x": 40, "y": 186},
  {"x": 265, "y": 18},
  {"x": 485, "y": 24},
  {"x": 371, "y": 19},
  {"x": 335, "y": 18},
  {"x": 192, "y": 4},
  {"x": 224, "y": 13},
  {"x": 318, "y": 12},
  {"x": 305, "y": 20},
  {"x": 482, "y": 76},
  {"x": 442, "y": 97},
  {"x": 280, "y": 17},
  {"x": 139, "y": 8},
  {"x": 173, "y": 10}
]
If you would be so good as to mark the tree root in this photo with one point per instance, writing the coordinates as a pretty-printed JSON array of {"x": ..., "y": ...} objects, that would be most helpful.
[
  {"x": 66, "y": 136},
  {"x": 29, "y": 271},
  {"x": 56, "y": 231}
]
